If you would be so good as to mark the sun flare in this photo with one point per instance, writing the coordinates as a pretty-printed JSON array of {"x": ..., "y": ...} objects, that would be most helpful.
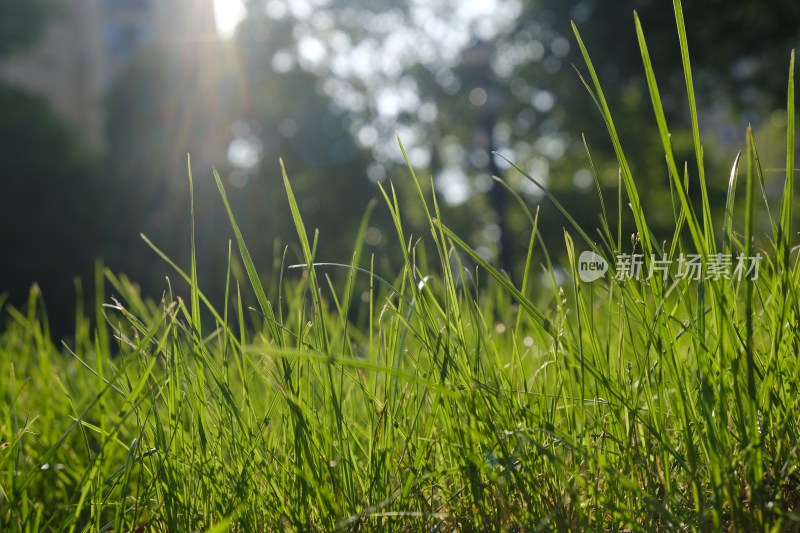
[{"x": 228, "y": 14}]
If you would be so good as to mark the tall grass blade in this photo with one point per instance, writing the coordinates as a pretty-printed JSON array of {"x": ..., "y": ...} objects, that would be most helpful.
[{"x": 252, "y": 273}]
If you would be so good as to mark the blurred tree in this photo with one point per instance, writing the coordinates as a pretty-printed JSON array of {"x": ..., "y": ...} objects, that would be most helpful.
[
  {"x": 289, "y": 116},
  {"x": 53, "y": 200},
  {"x": 163, "y": 106},
  {"x": 406, "y": 67},
  {"x": 22, "y": 23},
  {"x": 52, "y": 190},
  {"x": 254, "y": 112},
  {"x": 739, "y": 57}
]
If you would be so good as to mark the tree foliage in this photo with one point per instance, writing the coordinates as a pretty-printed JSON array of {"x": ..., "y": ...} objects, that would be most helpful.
[
  {"x": 22, "y": 23},
  {"x": 410, "y": 68},
  {"x": 54, "y": 198}
]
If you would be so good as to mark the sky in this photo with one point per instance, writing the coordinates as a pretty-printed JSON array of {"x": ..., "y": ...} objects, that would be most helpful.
[{"x": 228, "y": 14}]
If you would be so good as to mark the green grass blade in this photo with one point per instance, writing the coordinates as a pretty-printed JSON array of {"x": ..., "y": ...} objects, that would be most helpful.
[
  {"x": 727, "y": 237},
  {"x": 252, "y": 273},
  {"x": 308, "y": 256},
  {"x": 696, "y": 231},
  {"x": 625, "y": 169},
  {"x": 708, "y": 229}
]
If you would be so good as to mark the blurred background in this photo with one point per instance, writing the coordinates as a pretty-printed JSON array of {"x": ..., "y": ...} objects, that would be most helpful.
[{"x": 102, "y": 100}]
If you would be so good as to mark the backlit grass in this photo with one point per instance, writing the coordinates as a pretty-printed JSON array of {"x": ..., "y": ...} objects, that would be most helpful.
[{"x": 438, "y": 397}]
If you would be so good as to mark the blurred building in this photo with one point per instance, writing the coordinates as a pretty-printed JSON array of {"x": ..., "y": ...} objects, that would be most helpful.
[{"x": 89, "y": 41}]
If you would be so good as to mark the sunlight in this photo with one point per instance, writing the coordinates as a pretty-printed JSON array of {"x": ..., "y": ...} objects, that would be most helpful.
[{"x": 228, "y": 14}]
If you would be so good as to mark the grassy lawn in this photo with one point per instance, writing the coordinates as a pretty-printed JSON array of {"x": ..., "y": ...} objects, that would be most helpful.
[{"x": 439, "y": 397}]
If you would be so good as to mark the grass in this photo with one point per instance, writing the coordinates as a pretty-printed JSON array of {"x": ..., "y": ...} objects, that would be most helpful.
[{"x": 442, "y": 397}]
